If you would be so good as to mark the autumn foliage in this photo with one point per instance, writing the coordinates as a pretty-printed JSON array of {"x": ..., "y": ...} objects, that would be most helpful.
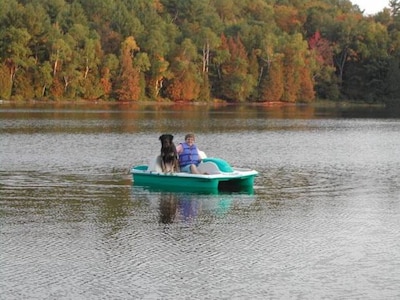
[{"x": 182, "y": 50}]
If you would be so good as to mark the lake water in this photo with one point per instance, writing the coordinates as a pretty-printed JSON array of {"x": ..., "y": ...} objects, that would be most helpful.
[{"x": 323, "y": 221}]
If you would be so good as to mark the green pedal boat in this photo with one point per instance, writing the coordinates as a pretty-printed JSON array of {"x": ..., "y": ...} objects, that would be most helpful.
[{"x": 216, "y": 175}]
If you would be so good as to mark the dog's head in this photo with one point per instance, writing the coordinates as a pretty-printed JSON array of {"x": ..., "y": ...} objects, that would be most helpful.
[{"x": 166, "y": 140}]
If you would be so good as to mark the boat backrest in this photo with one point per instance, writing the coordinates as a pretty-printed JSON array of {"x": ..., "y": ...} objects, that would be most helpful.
[
  {"x": 202, "y": 154},
  {"x": 208, "y": 167},
  {"x": 155, "y": 164}
]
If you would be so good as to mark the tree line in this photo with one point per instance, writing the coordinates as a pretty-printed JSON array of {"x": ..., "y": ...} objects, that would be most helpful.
[{"x": 198, "y": 50}]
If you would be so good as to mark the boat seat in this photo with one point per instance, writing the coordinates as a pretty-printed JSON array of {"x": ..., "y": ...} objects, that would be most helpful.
[
  {"x": 208, "y": 167},
  {"x": 155, "y": 164}
]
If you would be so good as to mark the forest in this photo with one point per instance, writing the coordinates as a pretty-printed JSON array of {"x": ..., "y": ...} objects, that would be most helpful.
[{"x": 199, "y": 50}]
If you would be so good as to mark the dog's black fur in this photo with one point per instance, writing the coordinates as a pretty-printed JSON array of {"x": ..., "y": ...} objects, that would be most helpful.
[{"x": 169, "y": 156}]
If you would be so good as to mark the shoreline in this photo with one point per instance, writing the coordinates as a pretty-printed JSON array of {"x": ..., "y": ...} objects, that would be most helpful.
[{"x": 214, "y": 103}]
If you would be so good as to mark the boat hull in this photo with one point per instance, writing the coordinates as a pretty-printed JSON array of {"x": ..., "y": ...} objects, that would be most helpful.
[{"x": 236, "y": 180}]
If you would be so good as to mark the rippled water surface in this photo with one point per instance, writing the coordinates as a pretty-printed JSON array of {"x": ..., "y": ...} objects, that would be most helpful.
[{"x": 323, "y": 221}]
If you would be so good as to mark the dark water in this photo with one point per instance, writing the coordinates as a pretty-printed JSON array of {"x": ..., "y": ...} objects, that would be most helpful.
[{"x": 323, "y": 221}]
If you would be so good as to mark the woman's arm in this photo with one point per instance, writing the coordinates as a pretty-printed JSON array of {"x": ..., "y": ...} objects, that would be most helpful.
[{"x": 179, "y": 149}]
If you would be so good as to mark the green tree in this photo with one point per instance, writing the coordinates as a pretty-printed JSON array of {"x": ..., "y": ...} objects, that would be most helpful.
[
  {"x": 37, "y": 24},
  {"x": 364, "y": 77},
  {"x": 42, "y": 79},
  {"x": 71, "y": 15},
  {"x": 297, "y": 69},
  {"x": 157, "y": 45},
  {"x": 343, "y": 35},
  {"x": 17, "y": 55}
]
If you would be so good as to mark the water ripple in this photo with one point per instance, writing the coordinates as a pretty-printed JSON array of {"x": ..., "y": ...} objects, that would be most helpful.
[{"x": 323, "y": 221}]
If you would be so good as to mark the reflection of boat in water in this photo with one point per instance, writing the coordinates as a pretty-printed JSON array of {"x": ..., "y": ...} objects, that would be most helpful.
[
  {"x": 185, "y": 207},
  {"x": 247, "y": 190},
  {"x": 216, "y": 175}
]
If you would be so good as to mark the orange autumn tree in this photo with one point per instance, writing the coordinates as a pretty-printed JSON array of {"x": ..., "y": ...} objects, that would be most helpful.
[
  {"x": 105, "y": 82},
  {"x": 288, "y": 18},
  {"x": 129, "y": 88},
  {"x": 5, "y": 82},
  {"x": 306, "y": 92},
  {"x": 185, "y": 81},
  {"x": 272, "y": 87}
]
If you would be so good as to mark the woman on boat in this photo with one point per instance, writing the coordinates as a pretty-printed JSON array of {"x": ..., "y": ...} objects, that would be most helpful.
[{"x": 189, "y": 157}]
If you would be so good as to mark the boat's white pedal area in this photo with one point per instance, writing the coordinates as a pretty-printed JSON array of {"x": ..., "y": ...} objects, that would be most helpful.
[{"x": 208, "y": 167}]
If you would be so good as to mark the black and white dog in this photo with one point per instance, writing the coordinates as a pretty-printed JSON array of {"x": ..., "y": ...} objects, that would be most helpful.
[{"x": 169, "y": 156}]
